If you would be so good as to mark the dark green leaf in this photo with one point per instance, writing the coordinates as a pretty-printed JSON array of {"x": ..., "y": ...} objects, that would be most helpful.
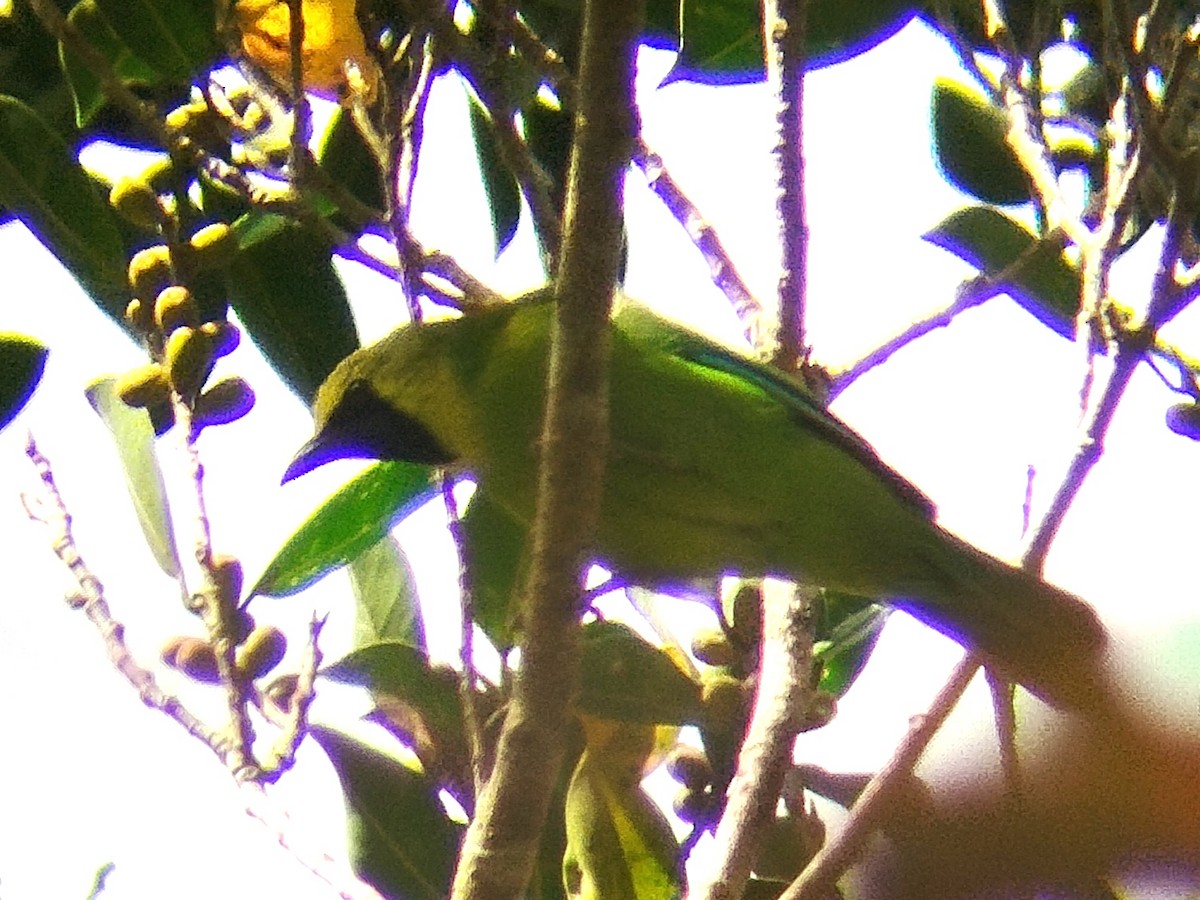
[
  {"x": 722, "y": 40},
  {"x": 22, "y": 360},
  {"x": 147, "y": 42},
  {"x": 133, "y": 436},
  {"x": 30, "y": 70},
  {"x": 44, "y": 185},
  {"x": 177, "y": 37},
  {"x": 628, "y": 680},
  {"x": 1045, "y": 283},
  {"x": 350, "y": 162},
  {"x": 401, "y": 840},
  {"x": 504, "y": 198},
  {"x": 420, "y": 702},
  {"x": 385, "y": 596},
  {"x": 93, "y": 25},
  {"x": 293, "y": 304},
  {"x": 392, "y": 667},
  {"x": 662, "y": 24},
  {"x": 969, "y": 144},
  {"x": 402, "y": 673},
  {"x": 254, "y": 227},
  {"x": 549, "y": 131},
  {"x": 348, "y": 524},
  {"x": 495, "y": 548},
  {"x": 851, "y": 628}
]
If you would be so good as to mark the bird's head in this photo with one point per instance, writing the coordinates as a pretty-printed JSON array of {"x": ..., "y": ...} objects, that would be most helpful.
[{"x": 361, "y": 411}]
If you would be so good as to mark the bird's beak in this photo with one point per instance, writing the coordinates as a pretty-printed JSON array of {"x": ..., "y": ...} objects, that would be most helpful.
[{"x": 315, "y": 453}]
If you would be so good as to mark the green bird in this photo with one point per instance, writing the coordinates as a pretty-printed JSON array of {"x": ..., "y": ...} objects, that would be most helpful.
[{"x": 716, "y": 464}]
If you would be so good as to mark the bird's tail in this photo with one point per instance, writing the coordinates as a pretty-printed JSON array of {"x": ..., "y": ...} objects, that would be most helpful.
[{"x": 1035, "y": 634}]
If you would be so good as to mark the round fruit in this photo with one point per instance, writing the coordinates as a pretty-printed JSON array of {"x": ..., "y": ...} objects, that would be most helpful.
[
  {"x": 723, "y": 699},
  {"x": 1184, "y": 420},
  {"x": 226, "y": 401},
  {"x": 144, "y": 387},
  {"x": 711, "y": 646},
  {"x": 690, "y": 767},
  {"x": 262, "y": 652},
  {"x": 150, "y": 272},
  {"x": 692, "y": 806},
  {"x": 213, "y": 246},
  {"x": 137, "y": 203},
  {"x": 174, "y": 307},
  {"x": 189, "y": 359},
  {"x": 224, "y": 337},
  {"x": 197, "y": 659}
]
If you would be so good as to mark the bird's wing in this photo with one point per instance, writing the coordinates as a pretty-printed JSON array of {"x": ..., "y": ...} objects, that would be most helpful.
[{"x": 645, "y": 326}]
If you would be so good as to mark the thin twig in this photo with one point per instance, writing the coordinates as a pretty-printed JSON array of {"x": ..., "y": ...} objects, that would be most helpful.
[
  {"x": 820, "y": 876},
  {"x": 293, "y": 724},
  {"x": 50, "y": 510},
  {"x": 535, "y": 182},
  {"x": 401, "y": 168},
  {"x": 335, "y": 873},
  {"x": 468, "y": 680},
  {"x": 720, "y": 265},
  {"x": 970, "y": 294}
]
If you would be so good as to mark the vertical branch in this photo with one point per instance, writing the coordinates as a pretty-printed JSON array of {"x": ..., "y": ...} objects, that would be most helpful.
[
  {"x": 501, "y": 845},
  {"x": 784, "y": 27},
  {"x": 402, "y": 170},
  {"x": 301, "y": 111},
  {"x": 785, "y": 689},
  {"x": 780, "y": 709}
]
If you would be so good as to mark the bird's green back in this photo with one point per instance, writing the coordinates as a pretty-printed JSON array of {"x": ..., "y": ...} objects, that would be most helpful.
[{"x": 716, "y": 464}]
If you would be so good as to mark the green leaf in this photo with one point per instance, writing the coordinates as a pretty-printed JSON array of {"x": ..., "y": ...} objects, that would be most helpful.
[
  {"x": 420, "y": 702},
  {"x": 619, "y": 844},
  {"x": 1045, "y": 283},
  {"x": 629, "y": 680},
  {"x": 147, "y": 42},
  {"x": 348, "y": 524},
  {"x": 851, "y": 628},
  {"x": 255, "y": 226},
  {"x": 177, "y": 37},
  {"x": 22, "y": 360},
  {"x": 43, "y": 184},
  {"x": 495, "y": 550},
  {"x": 30, "y": 70},
  {"x": 401, "y": 840},
  {"x": 349, "y": 162},
  {"x": 133, "y": 436},
  {"x": 504, "y": 198},
  {"x": 293, "y": 304},
  {"x": 722, "y": 40},
  {"x": 970, "y": 148},
  {"x": 548, "y": 132},
  {"x": 385, "y": 596},
  {"x": 1085, "y": 94}
]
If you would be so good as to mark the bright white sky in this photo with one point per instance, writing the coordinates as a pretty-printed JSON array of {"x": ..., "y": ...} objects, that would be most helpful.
[{"x": 90, "y": 776}]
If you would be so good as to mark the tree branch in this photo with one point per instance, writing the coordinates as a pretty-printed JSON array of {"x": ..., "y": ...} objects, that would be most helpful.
[
  {"x": 780, "y": 709},
  {"x": 820, "y": 876},
  {"x": 784, "y": 25},
  {"x": 502, "y": 841}
]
